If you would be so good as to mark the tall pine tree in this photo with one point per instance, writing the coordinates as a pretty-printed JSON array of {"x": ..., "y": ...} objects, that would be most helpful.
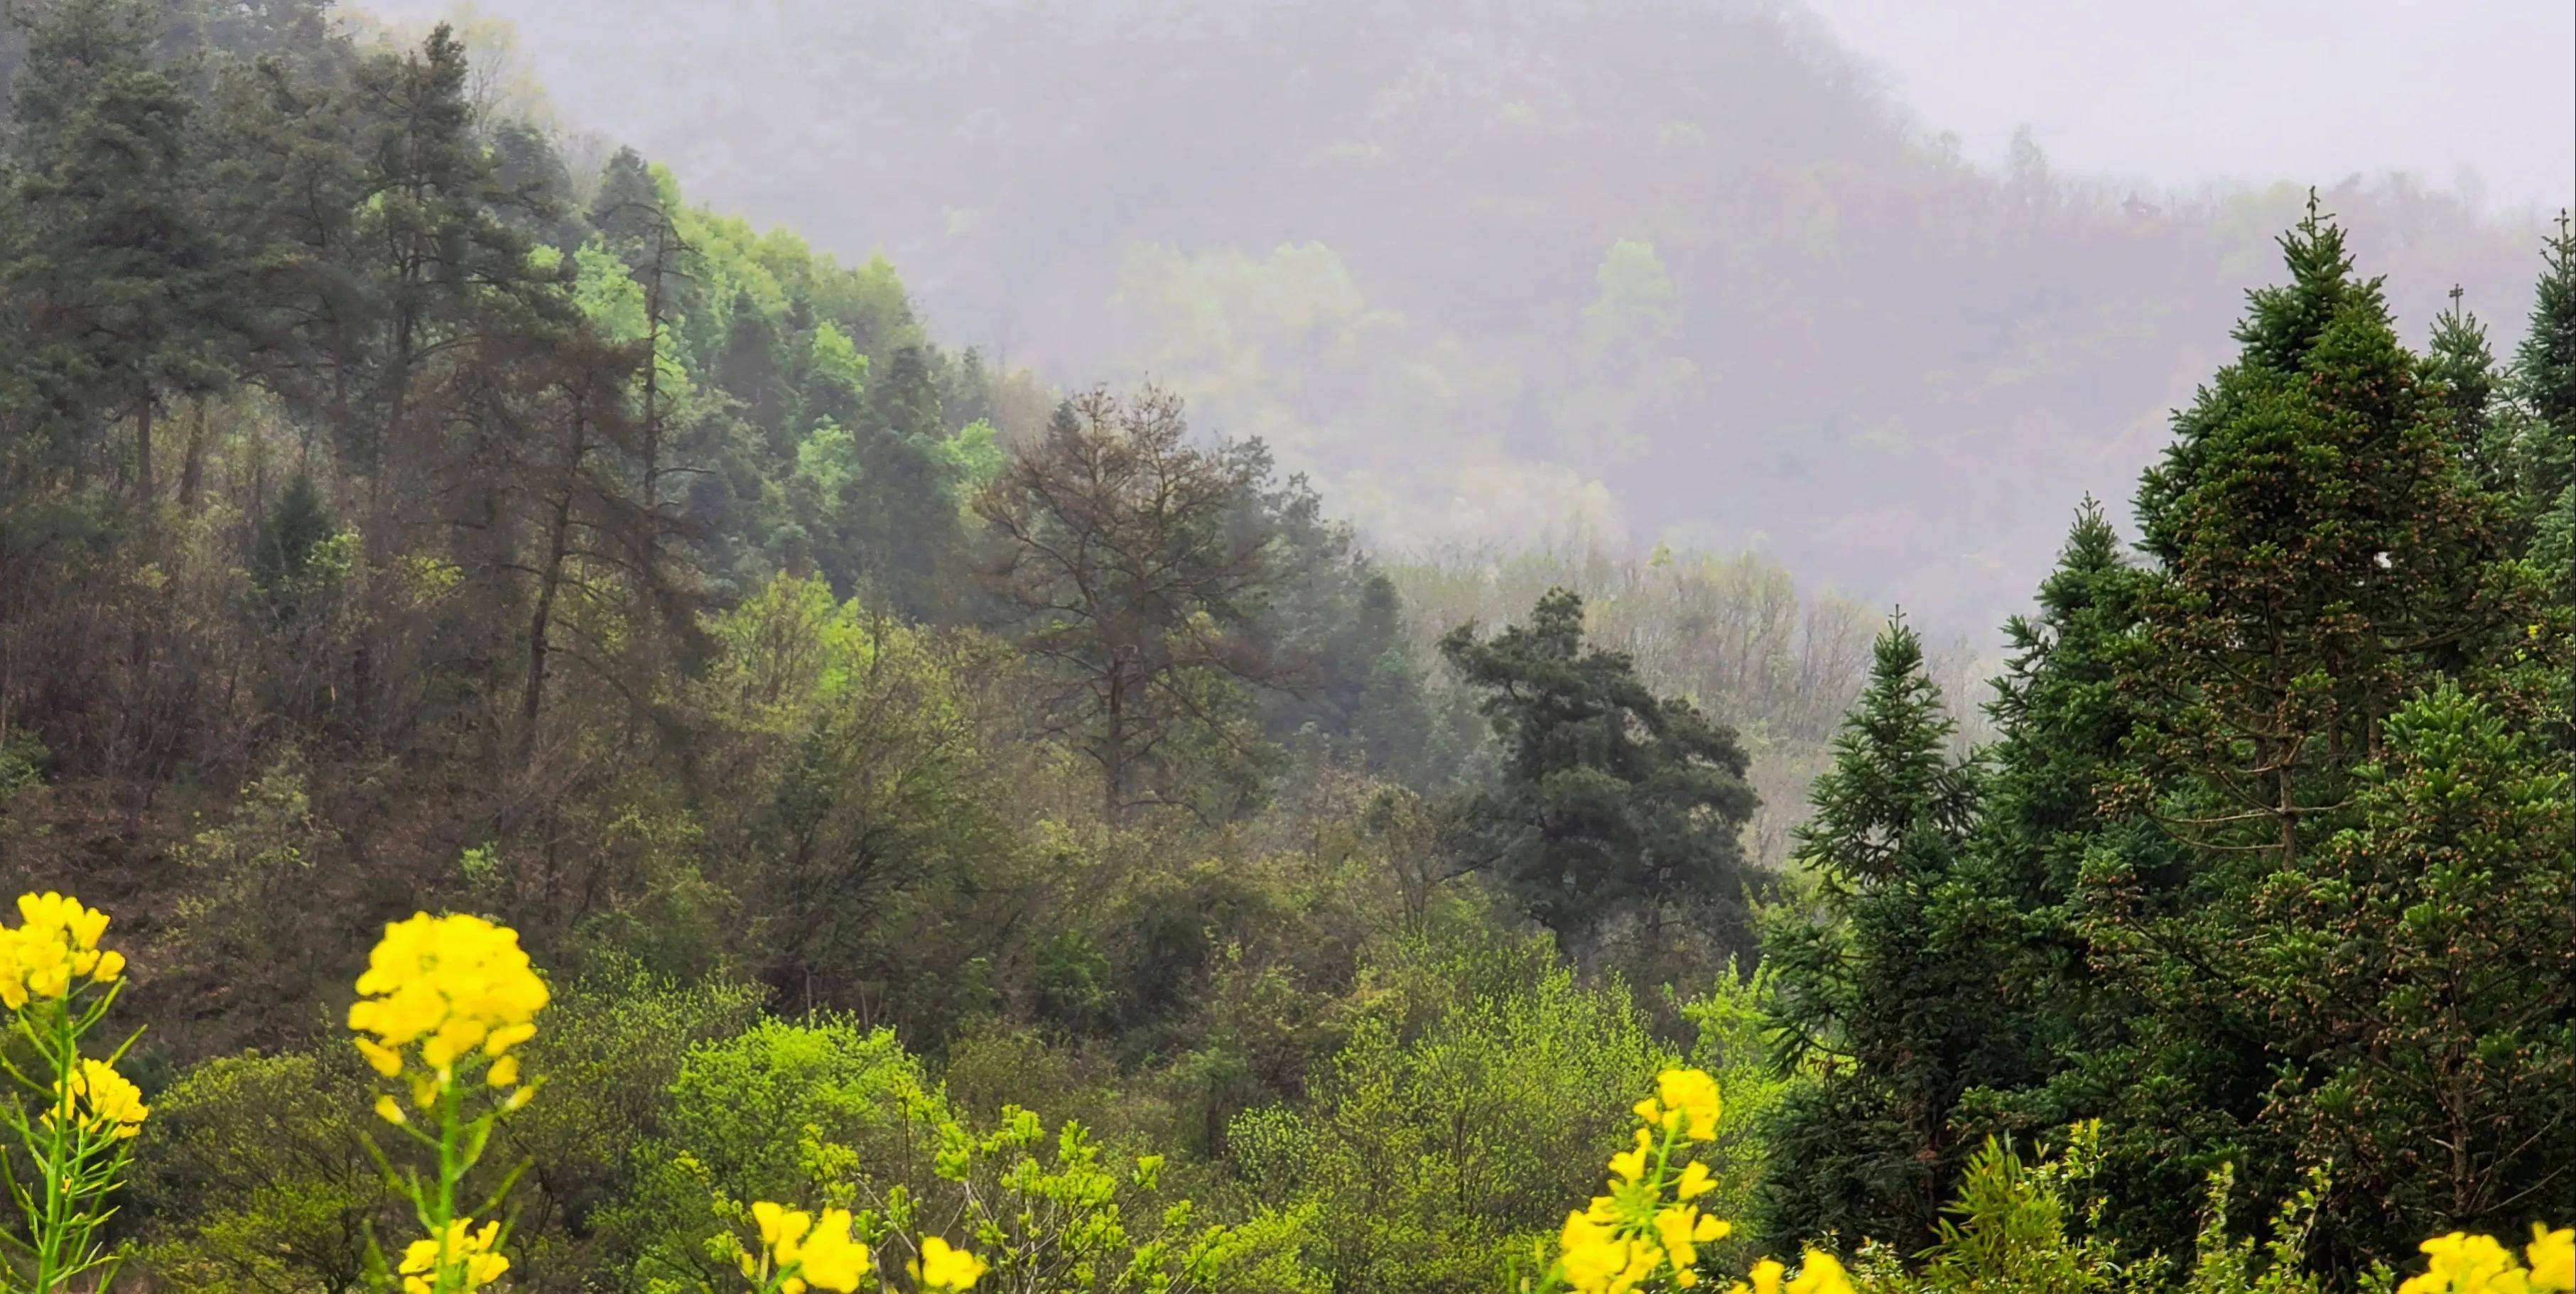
[
  {"x": 110, "y": 251},
  {"x": 1884, "y": 1022},
  {"x": 2324, "y": 555}
]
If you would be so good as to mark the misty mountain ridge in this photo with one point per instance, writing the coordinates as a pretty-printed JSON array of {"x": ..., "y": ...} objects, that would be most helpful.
[{"x": 1650, "y": 271}]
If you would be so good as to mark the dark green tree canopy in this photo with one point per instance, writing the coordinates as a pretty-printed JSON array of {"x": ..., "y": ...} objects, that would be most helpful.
[{"x": 1612, "y": 801}]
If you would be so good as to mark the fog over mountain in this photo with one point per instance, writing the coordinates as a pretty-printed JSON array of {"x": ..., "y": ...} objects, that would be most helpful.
[{"x": 1714, "y": 273}]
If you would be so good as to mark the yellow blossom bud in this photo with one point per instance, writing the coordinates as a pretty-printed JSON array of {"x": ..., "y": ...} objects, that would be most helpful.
[
  {"x": 1820, "y": 1274},
  {"x": 383, "y": 1060},
  {"x": 2553, "y": 1258}
]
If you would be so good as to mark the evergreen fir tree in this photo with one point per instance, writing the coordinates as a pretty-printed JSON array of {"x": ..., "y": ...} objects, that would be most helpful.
[
  {"x": 749, "y": 371},
  {"x": 282, "y": 555},
  {"x": 2323, "y": 556},
  {"x": 2421, "y": 987},
  {"x": 2459, "y": 371},
  {"x": 2062, "y": 722},
  {"x": 1883, "y": 1021},
  {"x": 629, "y": 203},
  {"x": 2544, "y": 383},
  {"x": 2321, "y": 552}
]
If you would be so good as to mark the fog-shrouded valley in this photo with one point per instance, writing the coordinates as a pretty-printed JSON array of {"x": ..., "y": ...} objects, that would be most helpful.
[
  {"x": 1658, "y": 272},
  {"x": 1112, "y": 645}
]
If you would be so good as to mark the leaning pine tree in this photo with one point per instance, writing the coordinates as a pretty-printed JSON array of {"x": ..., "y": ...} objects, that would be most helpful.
[{"x": 1614, "y": 804}]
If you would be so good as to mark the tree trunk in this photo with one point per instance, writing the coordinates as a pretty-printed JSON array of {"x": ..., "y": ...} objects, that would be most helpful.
[
  {"x": 549, "y": 581},
  {"x": 379, "y": 536},
  {"x": 1113, "y": 753},
  {"x": 533, "y": 700},
  {"x": 145, "y": 488},
  {"x": 192, "y": 468}
]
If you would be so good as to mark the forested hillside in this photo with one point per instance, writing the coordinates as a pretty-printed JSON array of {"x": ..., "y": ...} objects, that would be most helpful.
[
  {"x": 1675, "y": 269},
  {"x": 785, "y": 801}
]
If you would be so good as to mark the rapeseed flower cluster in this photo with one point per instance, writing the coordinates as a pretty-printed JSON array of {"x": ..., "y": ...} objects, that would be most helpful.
[
  {"x": 2460, "y": 1263},
  {"x": 101, "y": 1100},
  {"x": 1819, "y": 1274},
  {"x": 441, "y": 995},
  {"x": 75, "y": 1129},
  {"x": 1644, "y": 1224},
  {"x": 801, "y": 1251},
  {"x": 459, "y": 1249},
  {"x": 451, "y": 988},
  {"x": 797, "y": 1250},
  {"x": 944, "y": 1268},
  {"x": 53, "y": 948}
]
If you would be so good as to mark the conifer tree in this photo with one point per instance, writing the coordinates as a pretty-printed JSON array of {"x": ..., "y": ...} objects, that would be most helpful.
[
  {"x": 2544, "y": 383},
  {"x": 2321, "y": 552},
  {"x": 447, "y": 285},
  {"x": 2062, "y": 722},
  {"x": 1114, "y": 547},
  {"x": 2460, "y": 370},
  {"x": 2324, "y": 555},
  {"x": 111, "y": 254},
  {"x": 1884, "y": 1022},
  {"x": 287, "y": 183},
  {"x": 1612, "y": 801},
  {"x": 749, "y": 371},
  {"x": 2421, "y": 987},
  {"x": 901, "y": 505}
]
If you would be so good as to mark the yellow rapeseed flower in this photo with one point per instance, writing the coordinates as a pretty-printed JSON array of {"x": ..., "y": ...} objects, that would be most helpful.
[
  {"x": 2460, "y": 1263},
  {"x": 1681, "y": 1229},
  {"x": 380, "y": 1058},
  {"x": 1644, "y": 1221},
  {"x": 828, "y": 1258},
  {"x": 54, "y": 944},
  {"x": 466, "y": 1250},
  {"x": 79, "y": 927},
  {"x": 944, "y": 1268},
  {"x": 1765, "y": 1278},
  {"x": 1629, "y": 1165},
  {"x": 1820, "y": 1274},
  {"x": 1597, "y": 1257},
  {"x": 449, "y": 987},
  {"x": 807, "y": 1250},
  {"x": 779, "y": 1224},
  {"x": 2553, "y": 1258},
  {"x": 1689, "y": 1100},
  {"x": 102, "y": 1100}
]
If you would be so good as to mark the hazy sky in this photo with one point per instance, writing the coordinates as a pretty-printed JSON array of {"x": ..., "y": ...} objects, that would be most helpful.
[
  {"x": 2170, "y": 92},
  {"x": 2175, "y": 92},
  {"x": 2165, "y": 91}
]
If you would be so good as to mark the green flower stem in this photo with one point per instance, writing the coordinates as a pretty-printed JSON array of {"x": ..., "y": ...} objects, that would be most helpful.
[
  {"x": 64, "y": 1056},
  {"x": 450, "y": 1278}
]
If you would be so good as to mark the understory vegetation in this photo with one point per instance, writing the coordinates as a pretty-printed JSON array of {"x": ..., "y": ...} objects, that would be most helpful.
[{"x": 784, "y": 802}]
